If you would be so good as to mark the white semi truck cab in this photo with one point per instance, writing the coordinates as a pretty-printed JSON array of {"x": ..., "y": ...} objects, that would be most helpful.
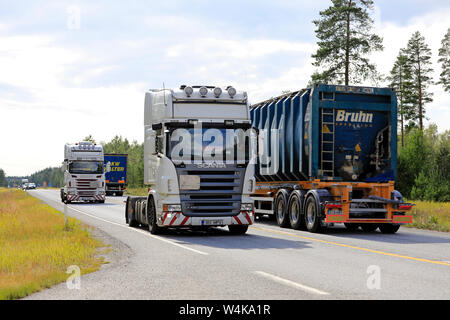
[
  {"x": 197, "y": 160},
  {"x": 84, "y": 176}
]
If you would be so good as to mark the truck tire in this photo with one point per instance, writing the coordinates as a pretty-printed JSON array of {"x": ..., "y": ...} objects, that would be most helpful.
[
  {"x": 280, "y": 209},
  {"x": 389, "y": 228},
  {"x": 295, "y": 210},
  {"x": 237, "y": 229},
  {"x": 130, "y": 208},
  {"x": 119, "y": 194},
  {"x": 151, "y": 218},
  {"x": 312, "y": 213},
  {"x": 369, "y": 227}
]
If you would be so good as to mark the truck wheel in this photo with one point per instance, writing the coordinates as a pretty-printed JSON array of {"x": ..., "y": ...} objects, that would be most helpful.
[
  {"x": 389, "y": 228},
  {"x": 352, "y": 226},
  {"x": 296, "y": 218},
  {"x": 151, "y": 218},
  {"x": 237, "y": 229},
  {"x": 280, "y": 210},
  {"x": 312, "y": 214},
  {"x": 119, "y": 194},
  {"x": 369, "y": 227},
  {"x": 130, "y": 213}
]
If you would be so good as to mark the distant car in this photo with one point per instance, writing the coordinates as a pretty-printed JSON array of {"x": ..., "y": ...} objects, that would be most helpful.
[{"x": 28, "y": 186}]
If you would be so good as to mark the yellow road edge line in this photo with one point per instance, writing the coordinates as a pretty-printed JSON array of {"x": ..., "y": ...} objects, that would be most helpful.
[{"x": 354, "y": 247}]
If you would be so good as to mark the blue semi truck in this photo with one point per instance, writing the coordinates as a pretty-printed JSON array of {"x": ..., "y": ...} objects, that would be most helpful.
[
  {"x": 326, "y": 155},
  {"x": 116, "y": 179}
]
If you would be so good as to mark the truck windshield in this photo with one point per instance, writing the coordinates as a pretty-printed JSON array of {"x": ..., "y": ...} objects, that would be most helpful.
[
  {"x": 209, "y": 144},
  {"x": 86, "y": 167}
]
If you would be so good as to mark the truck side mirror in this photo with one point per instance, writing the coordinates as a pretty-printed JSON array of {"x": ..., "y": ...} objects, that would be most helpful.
[
  {"x": 150, "y": 142},
  {"x": 108, "y": 166},
  {"x": 63, "y": 167}
]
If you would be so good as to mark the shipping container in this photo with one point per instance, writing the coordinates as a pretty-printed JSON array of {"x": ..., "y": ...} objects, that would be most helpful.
[{"x": 329, "y": 145}]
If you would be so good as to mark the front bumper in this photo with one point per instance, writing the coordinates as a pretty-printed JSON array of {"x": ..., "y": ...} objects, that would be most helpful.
[{"x": 178, "y": 219}]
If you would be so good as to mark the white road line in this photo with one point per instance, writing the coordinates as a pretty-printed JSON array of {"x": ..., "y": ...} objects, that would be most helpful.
[
  {"x": 291, "y": 283},
  {"x": 137, "y": 230}
]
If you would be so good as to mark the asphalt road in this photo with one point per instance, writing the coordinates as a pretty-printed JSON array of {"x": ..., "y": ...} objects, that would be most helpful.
[{"x": 266, "y": 263}]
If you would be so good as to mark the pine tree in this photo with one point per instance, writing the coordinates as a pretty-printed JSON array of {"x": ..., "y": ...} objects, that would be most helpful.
[
  {"x": 344, "y": 43},
  {"x": 400, "y": 81},
  {"x": 444, "y": 60},
  {"x": 3, "y": 182},
  {"x": 419, "y": 59}
]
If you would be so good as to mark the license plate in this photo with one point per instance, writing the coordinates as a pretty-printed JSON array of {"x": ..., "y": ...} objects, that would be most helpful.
[{"x": 212, "y": 222}]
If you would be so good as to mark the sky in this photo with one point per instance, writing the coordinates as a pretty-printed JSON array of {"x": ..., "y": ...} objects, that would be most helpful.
[{"x": 73, "y": 68}]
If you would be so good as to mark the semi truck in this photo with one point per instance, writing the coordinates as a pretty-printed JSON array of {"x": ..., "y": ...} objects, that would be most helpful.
[
  {"x": 116, "y": 178},
  {"x": 327, "y": 155},
  {"x": 196, "y": 161},
  {"x": 84, "y": 176}
]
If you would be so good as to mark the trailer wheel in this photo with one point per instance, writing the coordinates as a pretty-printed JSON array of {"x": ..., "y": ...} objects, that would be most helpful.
[
  {"x": 389, "y": 228},
  {"x": 280, "y": 210},
  {"x": 369, "y": 227},
  {"x": 295, "y": 209},
  {"x": 151, "y": 218},
  {"x": 312, "y": 214},
  {"x": 237, "y": 229}
]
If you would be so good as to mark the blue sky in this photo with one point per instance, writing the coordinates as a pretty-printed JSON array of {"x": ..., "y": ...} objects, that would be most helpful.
[{"x": 73, "y": 68}]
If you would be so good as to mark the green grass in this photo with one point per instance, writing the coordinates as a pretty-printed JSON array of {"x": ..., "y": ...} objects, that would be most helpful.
[
  {"x": 431, "y": 215},
  {"x": 37, "y": 246},
  {"x": 137, "y": 191}
]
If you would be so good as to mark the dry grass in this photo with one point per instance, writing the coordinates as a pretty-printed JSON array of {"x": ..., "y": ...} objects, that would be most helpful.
[
  {"x": 36, "y": 246},
  {"x": 431, "y": 215}
]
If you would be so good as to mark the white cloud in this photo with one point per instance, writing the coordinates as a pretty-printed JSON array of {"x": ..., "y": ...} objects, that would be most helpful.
[{"x": 433, "y": 27}]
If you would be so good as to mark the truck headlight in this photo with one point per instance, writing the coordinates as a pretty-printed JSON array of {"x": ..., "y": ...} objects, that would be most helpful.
[{"x": 172, "y": 207}]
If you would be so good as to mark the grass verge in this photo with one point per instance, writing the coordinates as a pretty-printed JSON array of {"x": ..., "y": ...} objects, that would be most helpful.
[
  {"x": 136, "y": 191},
  {"x": 37, "y": 247},
  {"x": 431, "y": 215}
]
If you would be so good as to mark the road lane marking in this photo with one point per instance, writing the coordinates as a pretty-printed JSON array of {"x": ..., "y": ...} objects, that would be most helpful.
[
  {"x": 444, "y": 263},
  {"x": 291, "y": 283}
]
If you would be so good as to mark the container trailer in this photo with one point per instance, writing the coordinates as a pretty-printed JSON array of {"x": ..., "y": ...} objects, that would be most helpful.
[
  {"x": 327, "y": 155},
  {"x": 116, "y": 178}
]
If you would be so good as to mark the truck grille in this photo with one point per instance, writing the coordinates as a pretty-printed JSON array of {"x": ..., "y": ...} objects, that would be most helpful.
[
  {"x": 219, "y": 194},
  {"x": 86, "y": 187}
]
